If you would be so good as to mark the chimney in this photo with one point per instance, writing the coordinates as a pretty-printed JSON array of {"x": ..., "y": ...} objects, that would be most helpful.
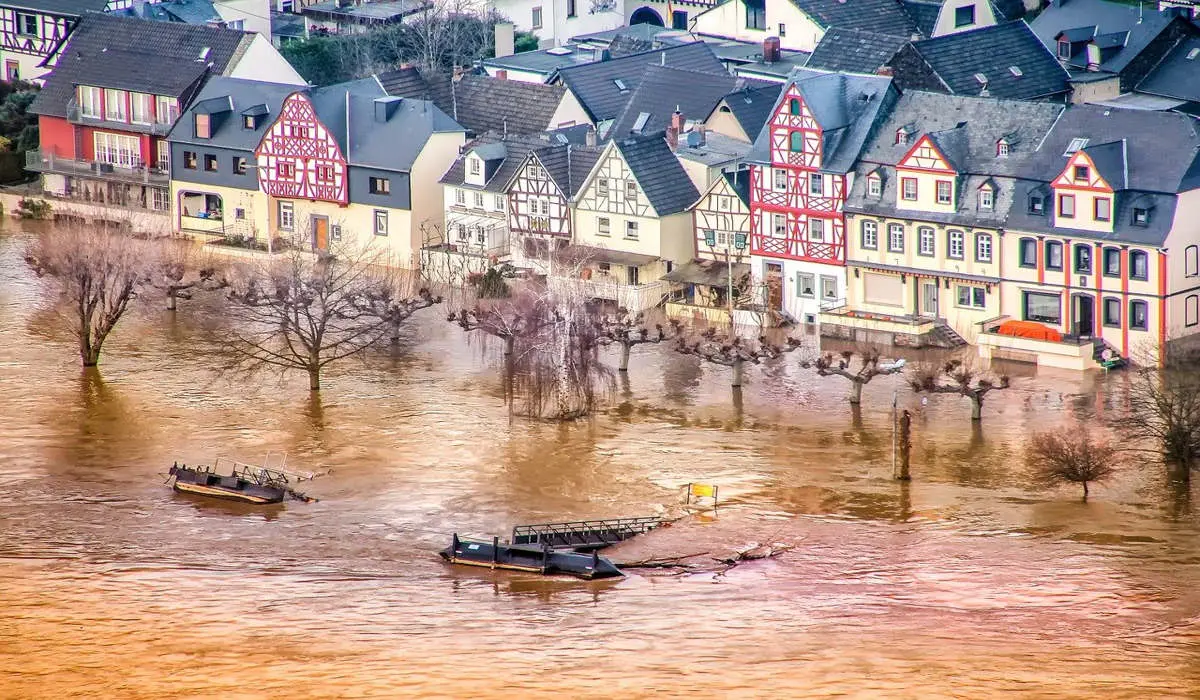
[
  {"x": 505, "y": 39},
  {"x": 771, "y": 49},
  {"x": 673, "y": 138},
  {"x": 702, "y": 133},
  {"x": 590, "y": 137},
  {"x": 885, "y": 71},
  {"x": 677, "y": 121},
  {"x": 385, "y": 107}
]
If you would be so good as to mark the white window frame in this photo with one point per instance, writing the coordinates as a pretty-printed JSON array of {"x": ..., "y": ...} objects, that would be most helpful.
[
  {"x": 987, "y": 198},
  {"x": 983, "y": 247},
  {"x": 90, "y": 103},
  {"x": 115, "y": 98},
  {"x": 460, "y": 196},
  {"x": 631, "y": 230},
  {"x": 166, "y": 109},
  {"x": 780, "y": 182},
  {"x": 874, "y": 186},
  {"x": 287, "y": 216},
  {"x": 870, "y": 235},
  {"x": 926, "y": 235},
  {"x": 141, "y": 108},
  {"x": 945, "y": 192},
  {"x": 120, "y": 150},
  {"x": 956, "y": 240},
  {"x": 20, "y": 19},
  {"x": 603, "y": 226},
  {"x": 895, "y": 238},
  {"x": 381, "y": 222},
  {"x": 816, "y": 230}
]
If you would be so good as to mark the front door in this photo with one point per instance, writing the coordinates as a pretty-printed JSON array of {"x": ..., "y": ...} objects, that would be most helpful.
[
  {"x": 774, "y": 278},
  {"x": 633, "y": 276},
  {"x": 320, "y": 233},
  {"x": 929, "y": 298},
  {"x": 1085, "y": 315}
]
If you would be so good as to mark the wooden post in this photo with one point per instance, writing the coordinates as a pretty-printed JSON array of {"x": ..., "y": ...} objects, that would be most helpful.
[
  {"x": 495, "y": 551},
  {"x": 905, "y": 444}
]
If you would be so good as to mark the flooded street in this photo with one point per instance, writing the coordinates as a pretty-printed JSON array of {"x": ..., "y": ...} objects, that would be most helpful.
[{"x": 970, "y": 582}]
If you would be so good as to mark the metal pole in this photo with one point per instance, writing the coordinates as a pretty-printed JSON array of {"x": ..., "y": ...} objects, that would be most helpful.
[
  {"x": 729, "y": 273},
  {"x": 895, "y": 397}
]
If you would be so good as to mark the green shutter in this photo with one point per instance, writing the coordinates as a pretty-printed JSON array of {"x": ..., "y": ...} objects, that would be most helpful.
[
  {"x": 710, "y": 237},
  {"x": 739, "y": 241}
]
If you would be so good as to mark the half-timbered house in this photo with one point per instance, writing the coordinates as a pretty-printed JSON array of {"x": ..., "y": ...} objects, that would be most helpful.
[
  {"x": 117, "y": 90},
  {"x": 631, "y": 223},
  {"x": 801, "y": 169},
  {"x": 31, "y": 31},
  {"x": 540, "y": 199}
]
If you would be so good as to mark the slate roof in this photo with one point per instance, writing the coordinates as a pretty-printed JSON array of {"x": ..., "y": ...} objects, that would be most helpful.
[
  {"x": 1176, "y": 75},
  {"x": 63, "y": 8},
  {"x": 568, "y": 165},
  {"x": 482, "y": 103},
  {"x": 991, "y": 51},
  {"x": 924, "y": 14},
  {"x": 739, "y": 182},
  {"x": 124, "y": 53},
  {"x": 662, "y": 178},
  {"x": 855, "y": 50},
  {"x": 189, "y": 11},
  {"x": 882, "y": 16},
  {"x": 846, "y": 106},
  {"x": 663, "y": 89},
  {"x": 1083, "y": 20},
  {"x": 594, "y": 84},
  {"x": 751, "y": 107},
  {"x": 242, "y": 97}
]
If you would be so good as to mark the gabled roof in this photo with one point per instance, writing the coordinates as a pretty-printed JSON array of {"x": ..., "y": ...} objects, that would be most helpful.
[
  {"x": 855, "y": 50},
  {"x": 658, "y": 172},
  {"x": 993, "y": 52},
  {"x": 882, "y": 16},
  {"x": 1177, "y": 75},
  {"x": 479, "y": 102},
  {"x": 847, "y": 108},
  {"x": 952, "y": 144},
  {"x": 751, "y": 107},
  {"x": 1083, "y": 20},
  {"x": 924, "y": 14},
  {"x": 62, "y": 8},
  {"x": 567, "y": 165},
  {"x": 1111, "y": 161},
  {"x": 161, "y": 58},
  {"x": 663, "y": 89},
  {"x": 739, "y": 182},
  {"x": 239, "y": 97},
  {"x": 597, "y": 86}
]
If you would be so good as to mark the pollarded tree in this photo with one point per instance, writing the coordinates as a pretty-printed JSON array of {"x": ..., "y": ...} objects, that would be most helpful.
[
  {"x": 304, "y": 312},
  {"x": 522, "y": 314},
  {"x": 839, "y": 365},
  {"x": 97, "y": 275},
  {"x": 629, "y": 331},
  {"x": 956, "y": 377},
  {"x": 1164, "y": 407},
  {"x": 733, "y": 351},
  {"x": 1072, "y": 455},
  {"x": 182, "y": 268}
]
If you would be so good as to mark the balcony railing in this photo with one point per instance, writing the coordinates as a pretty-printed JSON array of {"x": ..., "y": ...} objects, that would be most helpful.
[
  {"x": 157, "y": 128},
  {"x": 634, "y": 297},
  {"x": 48, "y": 162}
]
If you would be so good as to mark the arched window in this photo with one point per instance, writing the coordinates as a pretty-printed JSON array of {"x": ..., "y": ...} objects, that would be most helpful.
[
  {"x": 1139, "y": 265},
  {"x": 797, "y": 142},
  {"x": 1191, "y": 261},
  {"x": 794, "y": 106}
]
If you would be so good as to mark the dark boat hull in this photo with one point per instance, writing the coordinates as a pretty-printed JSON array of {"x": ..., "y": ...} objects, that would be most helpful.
[
  {"x": 229, "y": 488},
  {"x": 493, "y": 555}
]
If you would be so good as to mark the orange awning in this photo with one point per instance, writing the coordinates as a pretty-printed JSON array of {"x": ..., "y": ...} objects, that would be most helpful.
[{"x": 1029, "y": 329}]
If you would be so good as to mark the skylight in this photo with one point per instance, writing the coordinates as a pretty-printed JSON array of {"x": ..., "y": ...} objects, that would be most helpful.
[
  {"x": 981, "y": 78},
  {"x": 1015, "y": 71},
  {"x": 1075, "y": 146},
  {"x": 620, "y": 84},
  {"x": 641, "y": 122},
  {"x": 1191, "y": 55},
  {"x": 558, "y": 51}
]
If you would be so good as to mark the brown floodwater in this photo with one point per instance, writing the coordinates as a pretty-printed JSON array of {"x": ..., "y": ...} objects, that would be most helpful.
[{"x": 970, "y": 582}]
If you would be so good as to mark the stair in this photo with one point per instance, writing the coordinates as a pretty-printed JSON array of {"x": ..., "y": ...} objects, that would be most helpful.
[
  {"x": 944, "y": 336},
  {"x": 1099, "y": 345}
]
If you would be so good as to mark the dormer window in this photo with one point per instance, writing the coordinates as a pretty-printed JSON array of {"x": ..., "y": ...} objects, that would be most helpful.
[
  {"x": 1081, "y": 173},
  {"x": 1037, "y": 204},
  {"x": 987, "y": 198},
  {"x": 902, "y": 136},
  {"x": 203, "y": 126},
  {"x": 1141, "y": 217},
  {"x": 964, "y": 16},
  {"x": 1064, "y": 49},
  {"x": 874, "y": 185},
  {"x": 248, "y": 122},
  {"x": 475, "y": 166},
  {"x": 1002, "y": 149}
]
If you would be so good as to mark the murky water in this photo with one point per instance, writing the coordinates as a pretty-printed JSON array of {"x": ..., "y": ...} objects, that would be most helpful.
[{"x": 968, "y": 583}]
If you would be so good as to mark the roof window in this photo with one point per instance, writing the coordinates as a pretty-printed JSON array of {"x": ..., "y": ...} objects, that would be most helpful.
[
  {"x": 559, "y": 51},
  {"x": 1191, "y": 55},
  {"x": 620, "y": 84},
  {"x": 1075, "y": 146},
  {"x": 1016, "y": 71}
]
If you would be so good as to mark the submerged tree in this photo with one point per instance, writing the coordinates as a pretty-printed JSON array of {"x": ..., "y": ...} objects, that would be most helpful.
[
  {"x": 956, "y": 377},
  {"x": 303, "y": 312},
  {"x": 839, "y": 365},
  {"x": 181, "y": 269},
  {"x": 733, "y": 351},
  {"x": 628, "y": 331},
  {"x": 1164, "y": 408},
  {"x": 97, "y": 275},
  {"x": 1072, "y": 455}
]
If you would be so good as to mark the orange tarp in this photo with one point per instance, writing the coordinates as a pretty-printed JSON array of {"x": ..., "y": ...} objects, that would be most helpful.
[{"x": 1029, "y": 329}]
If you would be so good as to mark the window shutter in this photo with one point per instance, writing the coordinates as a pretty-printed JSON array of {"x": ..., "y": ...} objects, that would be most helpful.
[
  {"x": 739, "y": 241},
  {"x": 710, "y": 237}
]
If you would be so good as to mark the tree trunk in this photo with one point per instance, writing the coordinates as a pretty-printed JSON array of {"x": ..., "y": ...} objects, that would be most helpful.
[
  {"x": 905, "y": 446},
  {"x": 170, "y": 300},
  {"x": 1085, "y": 491},
  {"x": 396, "y": 332},
  {"x": 976, "y": 407},
  {"x": 737, "y": 372},
  {"x": 624, "y": 357},
  {"x": 509, "y": 345},
  {"x": 855, "y": 392},
  {"x": 314, "y": 378}
]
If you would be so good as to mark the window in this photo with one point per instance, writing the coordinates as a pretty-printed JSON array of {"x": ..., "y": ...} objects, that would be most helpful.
[
  {"x": 239, "y": 214},
  {"x": 536, "y": 19},
  {"x": 1139, "y": 265},
  {"x": 380, "y": 185},
  {"x": 476, "y": 166},
  {"x": 902, "y": 136},
  {"x": 631, "y": 191},
  {"x": 118, "y": 149},
  {"x": 114, "y": 105},
  {"x": 796, "y": 142},
  {"x": 1141, "y": 217},
  {"x": 756, "y": 14},
  {"x": 203, "y": 126},
  {"x": 1044, "y": 308},
  {"x": 460, "y": 197},
  {"x": 500, "y": 202},
  {"x": 908, "y": 189},
  {"x": 780, "y": 179},
  {"x": 1191, "y": 310},
  {"x": 189, "y": 160},
  {"x": 874, "y": 185},
  {"x": 1028, "y": 252},
  {"x": 571, "y": 9},
  {"x": 239, "y": 165},
  {"x": 943, "y": 192},
  {"x": 249, "y": 122},
  {"x": 1112, "y": 312},
  {"x": 971, "y": 297},
  {"x": 806, "y": 284},
  {"x": 895, "y": 238},
  {"x": 166, "y": 111},
  {"x": 1139, "y": 313},
  {"x": 794, "y": 106},
  {"x": 12, "y": 70},
  {"x": 1191, "y": 261},
  {"x": 925, "y": 241},
  {"x": 1037, "y": 204},
  {"x": 478, "y": 200},
  {"x": 983, "y": 247},
  {"x": 287, "y": 216},
  {"x": 602, "y": 226},
  {"x": 987, "y": 198},
  {"x": 1066, "y": 206},
  {"x": 782, "y": 29},
  {"x": 870, "y": 235},
  {"x": 141, "y": 107},
  {"x": 27, "y": 24},
  {"x": 955, "y": 245},
  {"x": 324, "y": 173},
  {"x": 964, "y": 16},
  {"x": 1081, "y": 173},
  {"x": 816, "y": 229},
  {"x": 601, "y": 187},
  {"x": 1112, "y": 262},
  {"x": 816, "y": 185},
  {"x": 1102, "y": 208},
  {"x": 780, "y": 221},
  {"x": 1054, "y": 255},
  {"x": 210, "y": 162},
  {"x": 631, "y": 230},
  {"x": 1064, "y": 49},
  {"x": 1083, "y": 258},
  {"x": 1002, "y": 149},
  {"x": 828, "y": 287},
  {"x": 381, "y": 222},
  {"x": 89, "y": 101},
  {"x": 286, "y": 171}
]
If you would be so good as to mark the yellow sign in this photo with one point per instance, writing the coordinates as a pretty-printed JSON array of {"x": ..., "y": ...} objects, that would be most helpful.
[{"x": 703, "y": 490}]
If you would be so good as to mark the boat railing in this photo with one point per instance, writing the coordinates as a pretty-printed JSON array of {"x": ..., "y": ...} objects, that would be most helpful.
[
  {"x": 263, "y": 475},
  {"x": 584, "y": 533}
]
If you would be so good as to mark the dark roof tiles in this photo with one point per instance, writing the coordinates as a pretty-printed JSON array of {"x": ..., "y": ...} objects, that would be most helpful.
[
  {"x": 882, "y": 16},
  {"x": 659, "y": 173},
  {"x": 482, "y": 103},
  {"x": 854, "y": 50}
]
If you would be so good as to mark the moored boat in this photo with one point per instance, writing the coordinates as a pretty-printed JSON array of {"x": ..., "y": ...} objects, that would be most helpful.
[
  {"x": 539, "y": 559},
  {"x": 246, "y": 483}
]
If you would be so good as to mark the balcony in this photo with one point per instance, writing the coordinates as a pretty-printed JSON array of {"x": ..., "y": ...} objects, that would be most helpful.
[
  {"x": 634, "y": 297},
  {"x": 44, "y": 162},
  {"x": 1051, "y": 350},
  {"x": 840, "y": 321},
  {"x": 154, "y": 128}
]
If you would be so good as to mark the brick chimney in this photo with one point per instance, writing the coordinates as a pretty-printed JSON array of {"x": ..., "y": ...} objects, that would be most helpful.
[
  {"x": 677, "y": 120},
  {"x": 771, "y": 49},
  {"x": 885, "y": 71}
]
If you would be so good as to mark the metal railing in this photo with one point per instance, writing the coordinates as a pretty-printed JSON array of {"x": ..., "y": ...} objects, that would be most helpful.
[
  {"x": 584, "y": 533},
  {"x": 47, "y": 162},
  {"x": 635, "y": 297}
]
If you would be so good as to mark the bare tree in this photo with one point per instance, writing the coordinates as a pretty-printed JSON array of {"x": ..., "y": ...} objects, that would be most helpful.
[
  {"x": 97, "y": 275},
  {"x": 303, "y": 312},
  {"x": 182, "y": 268},
  {"x": 1071, "y": 454},
  {"x": 628, "y": 331},
  {"x": 558, "y": 370},
  {"x": 733, "y": 351},
  {"x": 869, "y": 367},
  {"x": 524, "y": 314},
  {"x": 1164, "y": 408},
  {"x": 956, "y": 377}
]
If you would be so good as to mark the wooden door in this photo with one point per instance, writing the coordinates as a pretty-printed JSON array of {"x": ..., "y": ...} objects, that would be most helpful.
[
  {"x": 929, "y": 298},
  {"x": 774, "y": 279},
  {"x": 321, "y": 234}
]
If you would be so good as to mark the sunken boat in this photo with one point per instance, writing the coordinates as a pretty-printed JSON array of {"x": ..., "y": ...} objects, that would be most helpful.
[
  {"x": 538, "y": 559},
  {"x": 246, "y": 483}
]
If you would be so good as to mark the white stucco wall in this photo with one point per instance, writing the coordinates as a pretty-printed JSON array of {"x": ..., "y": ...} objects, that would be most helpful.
[{"x": 262, "y": 61}]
